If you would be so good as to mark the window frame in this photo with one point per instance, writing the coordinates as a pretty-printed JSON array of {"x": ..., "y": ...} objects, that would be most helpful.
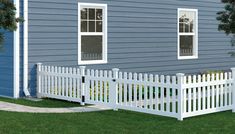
[
  {"x": 103, "y": 33},
  {"x": 195, "y": 35}
]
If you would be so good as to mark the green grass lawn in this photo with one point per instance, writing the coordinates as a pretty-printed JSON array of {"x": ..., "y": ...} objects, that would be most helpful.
[
  {"x": 108, "y": 122},
  {"x": 111, "y": 122},
  {"x": 50, "y": 103}
]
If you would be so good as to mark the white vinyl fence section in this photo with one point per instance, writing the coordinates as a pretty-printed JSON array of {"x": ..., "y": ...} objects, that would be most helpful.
[
  {"x": 203, "y": 94},
  {"x": 59, "y": 82},
  {"x": 177, "y": 96}
]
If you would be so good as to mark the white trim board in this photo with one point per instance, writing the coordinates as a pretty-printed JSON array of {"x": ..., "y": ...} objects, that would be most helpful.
[{"x": 16, "y": 59}]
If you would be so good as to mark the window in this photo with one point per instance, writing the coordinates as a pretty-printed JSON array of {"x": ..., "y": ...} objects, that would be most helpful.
[
  {"x": 187, "y": 33},
  {"x": 92, "y": 33}
]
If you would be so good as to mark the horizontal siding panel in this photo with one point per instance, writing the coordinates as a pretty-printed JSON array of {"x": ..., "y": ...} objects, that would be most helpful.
[{"x": 40, "y": 35}]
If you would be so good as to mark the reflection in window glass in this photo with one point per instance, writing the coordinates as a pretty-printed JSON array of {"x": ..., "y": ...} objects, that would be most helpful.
[
  {"x": 92, "y": 47},
  {"x": 91, "y": 26},
  {"x": 91, "y": 14},
  {"x": 99, "y": 14},
  {"x": 186, "y": 45},
  {"x": 84, "y": 13},
  {"x": 99, "y": 26},
  {"x": 186, "y": 21},
  {"x": 84, "y": 26}
]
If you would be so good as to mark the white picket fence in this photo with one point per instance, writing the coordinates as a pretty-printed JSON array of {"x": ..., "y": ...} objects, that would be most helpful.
[{"x": 177, "y": 96}]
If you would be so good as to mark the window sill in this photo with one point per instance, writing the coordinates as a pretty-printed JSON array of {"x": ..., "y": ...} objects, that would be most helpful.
[
  {"x": 187, "y": 57},
  {"x": 92, "y": 62}
]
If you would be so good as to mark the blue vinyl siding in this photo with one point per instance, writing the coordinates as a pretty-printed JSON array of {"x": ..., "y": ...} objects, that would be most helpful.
[
  {"x": 142, "y": 36},
  {"x": 6, "y": 66}
]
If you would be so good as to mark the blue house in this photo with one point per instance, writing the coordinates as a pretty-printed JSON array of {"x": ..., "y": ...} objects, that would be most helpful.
[{"x": 152, "y": 36}]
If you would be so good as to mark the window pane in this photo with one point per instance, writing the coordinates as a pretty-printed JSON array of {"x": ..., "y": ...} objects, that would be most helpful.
[
  {"x": 186, "y": 21},
  {"x": 91, "y": 14},
  {"x": 84, "y": 26},
  {"x": 186, "y": 45},
  {"x": 99, "y": 26},
  {"x": 84, "y": 13},
  {"x": 91, "y": 48},
  {"x": 91, "y": 26},
  {"x": 99, "y": 14}
]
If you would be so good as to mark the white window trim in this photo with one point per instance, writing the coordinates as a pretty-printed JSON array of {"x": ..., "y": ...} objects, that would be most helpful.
[
  {"x": 195, "y": 44},
  {"x": 104, "y": 33}
]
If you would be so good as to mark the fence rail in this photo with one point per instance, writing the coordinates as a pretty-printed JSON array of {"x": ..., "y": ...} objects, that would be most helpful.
[{"x": 177, "y": 96}]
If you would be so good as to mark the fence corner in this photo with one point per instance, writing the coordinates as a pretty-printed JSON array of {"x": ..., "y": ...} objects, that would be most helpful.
[
  {"x": 233, "y": 89},
  {"x": 180, "y": 82},
  {"x": 39, "y": 69}
]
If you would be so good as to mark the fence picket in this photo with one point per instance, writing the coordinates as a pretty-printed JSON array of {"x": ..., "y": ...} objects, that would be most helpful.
[
  {"x": 101, "y": 86},
  {"x": 213, "y": 91},
  {"x": 74, "y": 84},
  {"x": 199, "y": 93},
  {"x": 135, "y": 89},
  {"x": 58, "y": 81},
  {"x": 67, "y": 82},
  {"x": 92, "y": 85},
  {"x": 203, "y": 93},
  {"x": 130, "y": 90},
  {"x": 125, "y": 88},
  {"x": 151, "y": 92},
  {"x": 70, "y": 82},
  {"x": 208, "y": 88},
  {"x": 141, "y": 90},
  {"x": 168, "y": 94},
  {"x": 63, "y": 81},
  {"x": 52, "y": 81},
  {"x": 106, "y": 87},
  {"x": 194, "y": 93},
  {"x": 145, "y": 92},
  {"x": 184, "y": 96},
  {"x": 162, "y": 93},
  {"x": 157, "y": 92},
  {"x": 43, "y": 80},
  {"x": 96, "y": 85},
  {"x": 174, "y": 95},
  {"x": 226, "y": 90},
  {"x": 217, "y": 90},
  {"x": 189, "y": 94},
  {"x": 230, "y": 89},
  {"x": 221, "y": 91},
  {"x": 49, "y": 80}
]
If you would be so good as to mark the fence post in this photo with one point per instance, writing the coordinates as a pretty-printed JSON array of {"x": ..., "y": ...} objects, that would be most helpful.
[
  {"x": 233, "y": 88},
  {"x": 180, "y": 79},
  {"x": 39, "y": 88},
  {"x": 113, "y": 89},
  {"x": 83, "y": 84}
]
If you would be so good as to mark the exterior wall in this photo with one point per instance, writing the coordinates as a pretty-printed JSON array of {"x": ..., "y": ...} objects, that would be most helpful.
[
  {"x": 142, "y": 36},
  {"x": 6, "y": 66}
]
